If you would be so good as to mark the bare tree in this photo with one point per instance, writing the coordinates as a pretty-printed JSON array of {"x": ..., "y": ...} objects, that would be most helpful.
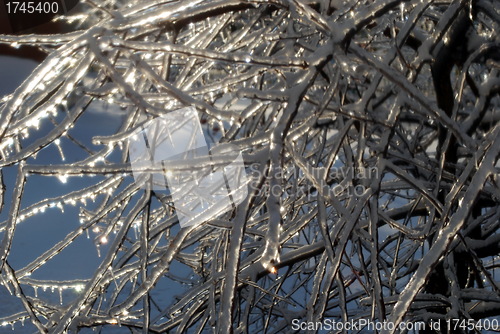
[{"x": 369, "y": 132}]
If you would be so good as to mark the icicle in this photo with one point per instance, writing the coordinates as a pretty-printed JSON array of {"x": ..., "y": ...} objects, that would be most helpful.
[
  {"x": 60, "y": 206},
  {"x": 60, "y": 296},
  {"x": 63, "y": 178},
  {"x": 79, "y": 287},
  {"x": 58, "y": 144},
  {"x": 36, "y": 291},
  {"x": 402, "y": 11}
]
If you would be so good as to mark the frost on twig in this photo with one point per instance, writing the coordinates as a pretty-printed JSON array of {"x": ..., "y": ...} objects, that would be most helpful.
[{"x": 370, "y": 140}]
